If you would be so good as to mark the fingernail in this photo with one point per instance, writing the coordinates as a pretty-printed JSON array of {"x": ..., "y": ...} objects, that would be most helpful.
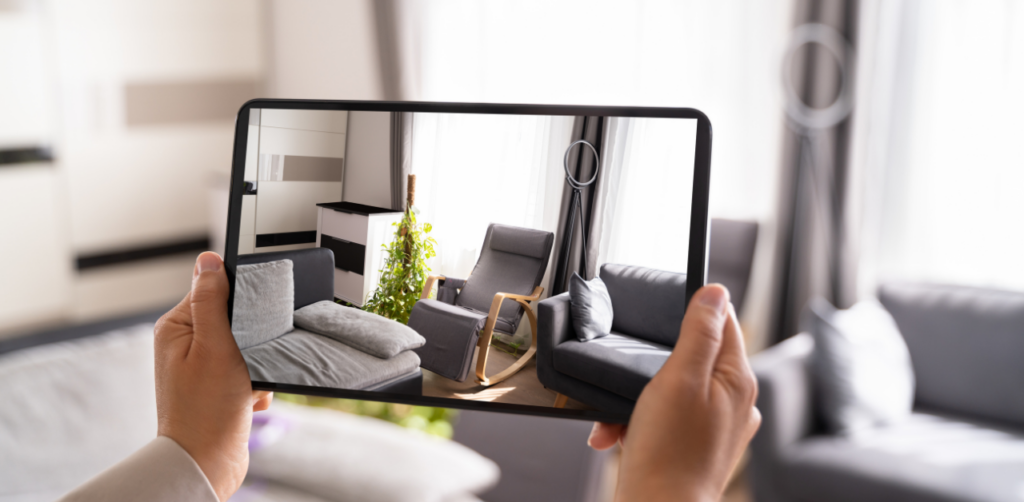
[
  {"x": 715, "y": 297},
  {"x": 208, "y": 262}
]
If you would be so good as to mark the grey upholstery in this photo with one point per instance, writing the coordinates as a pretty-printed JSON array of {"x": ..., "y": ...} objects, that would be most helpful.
[
  {"x": 619, "y": 363},
  {"x": 512, "y": 260},
  {"x": 313, "y": 271},
  {"x": 648, "y": 303},
  {"x": 966, "y": 345},
  {"x": 451, "y": 333},
  {"x": 610, "y": 372},
  {"x": 957, "y": 445},
  {"x": 731, "y": 246}
]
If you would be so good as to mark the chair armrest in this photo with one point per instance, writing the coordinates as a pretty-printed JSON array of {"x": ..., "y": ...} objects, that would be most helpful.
[
  {"x": 526, "y": 298},
  {"x": 429, "y": 285},
  {"x": 784, "y": 396}
]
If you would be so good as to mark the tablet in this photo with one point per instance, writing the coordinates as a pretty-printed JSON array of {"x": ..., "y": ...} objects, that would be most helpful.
[{"x": 524, "y": 259}]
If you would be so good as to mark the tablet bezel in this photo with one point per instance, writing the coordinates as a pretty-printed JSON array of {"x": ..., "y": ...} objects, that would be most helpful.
[{"x": 699, "y": 223}]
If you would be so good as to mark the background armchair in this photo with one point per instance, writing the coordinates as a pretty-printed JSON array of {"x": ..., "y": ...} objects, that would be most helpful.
[
  {"x": 465, "y": 314},
  {"x": 964, "y": 440}
]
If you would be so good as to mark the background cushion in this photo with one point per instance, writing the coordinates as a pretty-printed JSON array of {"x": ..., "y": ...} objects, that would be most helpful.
[
  {"x": 264, "y": 301},
  {"x": 619, "y": 363},
  {"x": 967, "y": 347},
  {"x": 313, "y": 270},
  {"x": 339, "y": 456},
  {"x": 591, "y": 308},
  {"x": 648, "y": 303},
  {"x": 860, "y": 365},
  {"x": 926, "y": 458},
  {"x": 370, "y": 333}
]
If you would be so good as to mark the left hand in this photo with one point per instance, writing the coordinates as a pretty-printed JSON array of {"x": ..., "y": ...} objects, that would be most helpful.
[{"x": 204, "y": 397}]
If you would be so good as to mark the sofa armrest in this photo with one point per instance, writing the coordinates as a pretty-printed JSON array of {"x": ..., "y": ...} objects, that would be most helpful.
[
  {"x": 785, "y": 395},
  {"x": 554, "y": 326}
]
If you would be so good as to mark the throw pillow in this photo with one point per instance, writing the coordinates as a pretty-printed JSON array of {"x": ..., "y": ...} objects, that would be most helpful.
[
  {"x": 861, "y": 366},
  {"x": 264, "y": 302},
  {"x": 370, "y": 333},
  {"x": 591, "y": 308}
]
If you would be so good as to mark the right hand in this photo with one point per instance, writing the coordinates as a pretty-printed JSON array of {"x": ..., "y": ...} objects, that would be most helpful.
[{"x": 696, "y": 416}]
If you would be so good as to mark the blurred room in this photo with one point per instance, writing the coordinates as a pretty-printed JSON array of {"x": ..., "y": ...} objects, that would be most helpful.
[{"x": 865, "y": 153}]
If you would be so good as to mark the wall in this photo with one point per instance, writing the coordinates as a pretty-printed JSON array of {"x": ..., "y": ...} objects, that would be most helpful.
[
  {"x": 301, "y": 159},
  {"x": 368, "y": 169},
  {"x": 323, "y": 49}
]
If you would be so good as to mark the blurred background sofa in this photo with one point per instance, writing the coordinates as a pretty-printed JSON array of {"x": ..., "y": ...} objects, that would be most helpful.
[{"x": 965, "y": 438}]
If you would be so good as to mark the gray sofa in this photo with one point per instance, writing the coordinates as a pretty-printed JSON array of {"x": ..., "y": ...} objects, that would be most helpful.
[
  {"x": 610, "y": 372},
  {"x": 965, "y": 438},
  {"x": 304, "y": 358}
]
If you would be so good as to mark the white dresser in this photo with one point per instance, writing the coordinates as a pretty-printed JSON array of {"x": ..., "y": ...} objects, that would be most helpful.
[{"x": 356, "y": 234}]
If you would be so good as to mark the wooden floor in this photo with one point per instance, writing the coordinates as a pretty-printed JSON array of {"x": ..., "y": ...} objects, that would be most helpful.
[{"x": 521, "y": 388}]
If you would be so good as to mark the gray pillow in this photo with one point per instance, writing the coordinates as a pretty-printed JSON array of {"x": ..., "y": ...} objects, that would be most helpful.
[
  {"x": 370, "y": 333},
  {"x": 861, "y": 366},
  {"x": 264, "y": 302},
  {"x": 591, "y": 308}
]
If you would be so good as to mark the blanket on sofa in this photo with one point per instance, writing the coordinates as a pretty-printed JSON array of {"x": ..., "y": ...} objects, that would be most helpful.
[{"x": 304, "y": 358}]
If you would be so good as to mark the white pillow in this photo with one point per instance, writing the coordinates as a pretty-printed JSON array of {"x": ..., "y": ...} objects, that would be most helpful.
[
  {"x": 264, "y": 302},
  {"x": 338, "y": 456},
  {"x": 861, "y": 366}
]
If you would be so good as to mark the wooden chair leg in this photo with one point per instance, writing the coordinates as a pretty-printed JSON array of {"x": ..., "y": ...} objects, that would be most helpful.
[
  {"x": 560, "y": 400},
  {"x": 485, "y": 342}
]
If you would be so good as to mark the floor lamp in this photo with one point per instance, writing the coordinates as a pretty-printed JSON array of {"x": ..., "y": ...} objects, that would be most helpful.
[{"x": 576, "y": 204}]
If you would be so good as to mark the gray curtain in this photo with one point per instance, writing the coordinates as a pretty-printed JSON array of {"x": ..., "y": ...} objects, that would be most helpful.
[
  {"x": 401, "y": 166},
  {"x": 569, "y": 259},
  {"x": 814, "y": 255},
  {"x": 386, "y": 19}
]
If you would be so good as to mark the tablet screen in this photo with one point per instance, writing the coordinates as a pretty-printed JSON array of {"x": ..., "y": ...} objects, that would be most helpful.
[{"x": 532, "y": 262}]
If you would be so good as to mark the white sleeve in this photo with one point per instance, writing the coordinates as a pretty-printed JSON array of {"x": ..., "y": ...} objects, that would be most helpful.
[{"x": 161, "y": 471}]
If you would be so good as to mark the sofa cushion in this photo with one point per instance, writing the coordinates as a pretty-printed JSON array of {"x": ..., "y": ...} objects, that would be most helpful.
[
  {"x": 264, "y": 301},
  {"x": 368, "y": 332},
  {"x": 312, "y": 268},
  {"x": 618, "y": 363},
  {"x": 926, "y": 458},
  {"x": 966, "y": 345},
  {"x": 860, "y": 365},
  {"x": 591, "y": 308},
  {"x": 648, "y": 303}
]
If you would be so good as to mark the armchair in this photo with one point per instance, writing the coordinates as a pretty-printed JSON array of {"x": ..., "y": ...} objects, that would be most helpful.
[{"x": 466, "y": 313}]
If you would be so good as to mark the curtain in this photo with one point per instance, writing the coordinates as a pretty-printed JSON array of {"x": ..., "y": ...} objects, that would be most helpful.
[
  {"x": 646, "y": 208},
  {"x": 570, "y": 259},
  {"x": 474, "y": 170},
  {"x": 948, "y": 177},
  {"x": 814, "y": 255},
  {"x": 401, "y": 162}
]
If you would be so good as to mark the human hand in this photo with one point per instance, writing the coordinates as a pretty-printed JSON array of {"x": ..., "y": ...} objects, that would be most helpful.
[
  {"x": 695, "y": 417},
  {"x": 204, "y": 398}
]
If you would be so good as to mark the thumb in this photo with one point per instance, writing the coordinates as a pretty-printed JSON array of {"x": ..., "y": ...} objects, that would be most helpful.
[
  {"x": 700, "y": 336},
  {"x": 210, "y": 300}
]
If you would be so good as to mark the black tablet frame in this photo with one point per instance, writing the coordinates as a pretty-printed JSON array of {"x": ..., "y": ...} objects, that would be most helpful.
[{"x": 696, "y": 266}]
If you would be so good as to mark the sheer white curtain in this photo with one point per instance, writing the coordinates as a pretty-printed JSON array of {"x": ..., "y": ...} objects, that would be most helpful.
[
  {"x": 950, "y": 194},
  {"x": 474, "y": 170},
  {"x": 647, "y": 210}
]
